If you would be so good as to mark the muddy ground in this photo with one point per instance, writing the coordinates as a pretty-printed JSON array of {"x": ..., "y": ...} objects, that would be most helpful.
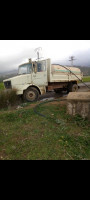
[{"x": 53, "y": 95}]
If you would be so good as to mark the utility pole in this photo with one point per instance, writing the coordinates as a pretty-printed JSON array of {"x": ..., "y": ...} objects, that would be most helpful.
[{"x": 72, "y": 58}]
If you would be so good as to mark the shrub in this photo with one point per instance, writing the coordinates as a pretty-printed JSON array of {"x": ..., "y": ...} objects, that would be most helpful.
[{"x": 8, "y": 98}]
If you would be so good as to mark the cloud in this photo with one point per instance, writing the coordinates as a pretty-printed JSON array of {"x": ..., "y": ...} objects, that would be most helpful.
[
  {"x": 82, "y": 59},
  {"x": 14, "y": 61},
  {"x": 14, "y": 53}
]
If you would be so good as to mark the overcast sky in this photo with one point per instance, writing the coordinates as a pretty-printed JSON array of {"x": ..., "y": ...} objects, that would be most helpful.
[{"x": 15, "y": 52}]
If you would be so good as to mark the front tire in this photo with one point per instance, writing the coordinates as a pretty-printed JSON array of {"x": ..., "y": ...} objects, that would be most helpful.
[{"x": 31, "y": 94}]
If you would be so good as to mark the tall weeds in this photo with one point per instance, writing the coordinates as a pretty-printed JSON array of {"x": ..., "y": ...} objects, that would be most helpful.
[{"x": 8, "y": 98}]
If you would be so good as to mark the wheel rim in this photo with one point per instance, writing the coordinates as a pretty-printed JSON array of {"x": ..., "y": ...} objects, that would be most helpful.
[{"x": 31, "y": 96}]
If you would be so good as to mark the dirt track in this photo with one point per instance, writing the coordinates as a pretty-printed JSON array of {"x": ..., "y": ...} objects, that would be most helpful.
[{"x": 84, "y": 88}]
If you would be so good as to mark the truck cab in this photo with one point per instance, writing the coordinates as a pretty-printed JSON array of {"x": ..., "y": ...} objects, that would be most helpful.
[{"x": 31, "y": 80}]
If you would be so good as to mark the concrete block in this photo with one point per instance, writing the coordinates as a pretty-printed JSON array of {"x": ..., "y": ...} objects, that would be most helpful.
[{"x": 79, "y": 103}]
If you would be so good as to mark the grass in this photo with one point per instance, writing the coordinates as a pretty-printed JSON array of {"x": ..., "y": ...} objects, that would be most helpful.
[
  {"x": 1, "y": 86},
  {"x": 25, "y": 135},
  {"x": 86, "y": 78}
]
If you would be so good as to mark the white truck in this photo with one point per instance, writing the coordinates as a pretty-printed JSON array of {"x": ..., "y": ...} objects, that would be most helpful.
[{"x": 38, "y": 77}]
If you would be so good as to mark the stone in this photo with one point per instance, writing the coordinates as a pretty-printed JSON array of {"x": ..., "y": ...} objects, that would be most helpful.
[
  {"x": 19, "y": 107},
  {"x": 79, "y": 103}
]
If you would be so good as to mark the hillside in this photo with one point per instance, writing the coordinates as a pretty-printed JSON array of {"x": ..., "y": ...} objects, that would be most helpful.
[
  {"x": 8, "y": 74},
  {"x": 85, "y": 70}
]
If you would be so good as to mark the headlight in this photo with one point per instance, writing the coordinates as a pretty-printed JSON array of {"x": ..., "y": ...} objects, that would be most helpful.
[{"x": 7, "y": 84}]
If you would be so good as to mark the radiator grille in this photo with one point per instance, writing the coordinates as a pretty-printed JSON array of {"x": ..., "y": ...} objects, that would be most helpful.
[{"x": 7, "y": 84}]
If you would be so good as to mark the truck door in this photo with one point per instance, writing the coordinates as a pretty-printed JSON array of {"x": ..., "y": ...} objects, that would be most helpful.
[{"x": 39, "y": 76}]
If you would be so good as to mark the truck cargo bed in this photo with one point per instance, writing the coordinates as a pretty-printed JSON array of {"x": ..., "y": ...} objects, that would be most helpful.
[{"x": 64, "y": 74}]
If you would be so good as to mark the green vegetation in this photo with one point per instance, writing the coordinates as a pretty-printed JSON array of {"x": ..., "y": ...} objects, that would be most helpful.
[
  {"x": 7, "y": 98},
  {"x": 86, "y": 78},
  {"x": 25, "y": 135},
  {"x": 1, "y": 86}
]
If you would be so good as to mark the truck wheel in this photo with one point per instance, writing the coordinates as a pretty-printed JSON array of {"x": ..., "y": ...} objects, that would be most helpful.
[
  {"x": 31, "y": 95},
  {"x": 72, "y": 88},
  {"x": 75, "y": 88}
]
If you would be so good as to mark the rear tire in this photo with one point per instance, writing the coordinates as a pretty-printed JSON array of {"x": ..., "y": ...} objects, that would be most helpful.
[
  {"x": 72, "y": 88},
  {"x": 75, "y": 88},
  {"x": 31, "y": 94}
]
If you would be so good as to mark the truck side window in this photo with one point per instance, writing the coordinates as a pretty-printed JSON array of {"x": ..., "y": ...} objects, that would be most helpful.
[{"x": 41, "y": 66}]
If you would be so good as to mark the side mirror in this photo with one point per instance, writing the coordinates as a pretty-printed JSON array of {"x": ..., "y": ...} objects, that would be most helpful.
[{"x": 35, "y": 68}]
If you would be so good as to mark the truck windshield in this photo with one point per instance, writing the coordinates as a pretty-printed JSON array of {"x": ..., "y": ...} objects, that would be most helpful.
[{"x": 25, "y": 69}]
